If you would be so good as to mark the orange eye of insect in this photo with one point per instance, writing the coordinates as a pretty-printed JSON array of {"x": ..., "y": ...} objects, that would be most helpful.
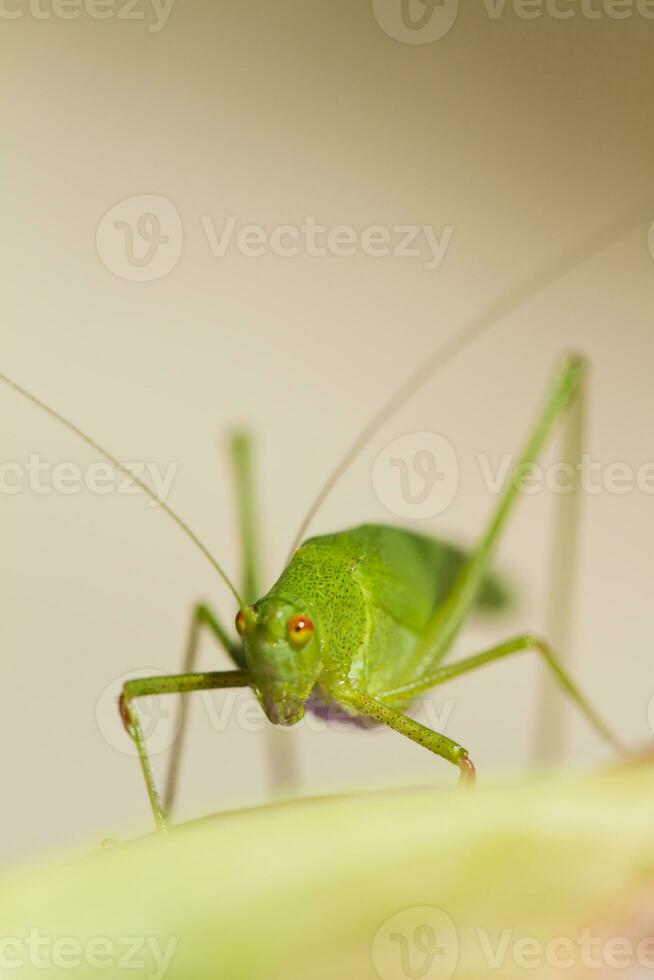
[
  {"x": 240, "y": 622},
  {"x": 300, "y": 629}
]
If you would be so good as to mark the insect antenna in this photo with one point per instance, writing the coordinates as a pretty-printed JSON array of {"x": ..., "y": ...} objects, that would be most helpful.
[
  {"x": 148, "y": 491},
  {"x": 476, "y": 327}
]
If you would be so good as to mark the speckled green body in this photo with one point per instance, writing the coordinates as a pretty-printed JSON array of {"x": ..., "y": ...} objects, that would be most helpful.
[
  {"x": 361, "y": 619},
  {"x": 371, "y": 592}
]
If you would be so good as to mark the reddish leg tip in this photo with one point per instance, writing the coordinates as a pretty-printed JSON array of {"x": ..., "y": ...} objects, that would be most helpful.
[
  {"x": 125, "y": 714},
  {"x": 468, "y": 772}
]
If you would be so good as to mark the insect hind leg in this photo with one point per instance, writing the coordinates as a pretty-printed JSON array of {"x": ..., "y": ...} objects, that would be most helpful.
[
  {"x": 449, "y": 617},
  {"x": 549, "y": 726}
]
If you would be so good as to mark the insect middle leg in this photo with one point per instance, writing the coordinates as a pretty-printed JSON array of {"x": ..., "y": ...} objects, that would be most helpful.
[
  {"x": 519, "y": 644},
  {"x": 173, "y": 684},
  {"x": 203, "y": 618}
]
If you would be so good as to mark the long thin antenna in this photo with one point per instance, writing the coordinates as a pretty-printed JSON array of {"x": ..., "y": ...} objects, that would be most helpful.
[
  {"x": 131, "y": 476},
  {"x": 507, "y": 303}
]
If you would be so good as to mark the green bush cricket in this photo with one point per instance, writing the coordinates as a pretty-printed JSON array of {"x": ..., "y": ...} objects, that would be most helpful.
[{"x": 362, "y": 619}]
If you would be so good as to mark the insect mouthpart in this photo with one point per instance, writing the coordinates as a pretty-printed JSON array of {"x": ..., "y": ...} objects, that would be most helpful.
[{"x": 286, "y": 712}]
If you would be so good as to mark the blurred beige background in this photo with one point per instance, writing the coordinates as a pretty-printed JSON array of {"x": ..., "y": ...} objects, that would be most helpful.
[{"x": 523, "y": 135}]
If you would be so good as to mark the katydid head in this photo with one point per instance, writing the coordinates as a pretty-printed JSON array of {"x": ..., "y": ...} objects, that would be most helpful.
[{"x": 282, "y": 649}]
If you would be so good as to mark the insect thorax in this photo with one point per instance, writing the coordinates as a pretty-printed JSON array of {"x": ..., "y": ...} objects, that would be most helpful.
[{"x": 320, "y": 575}]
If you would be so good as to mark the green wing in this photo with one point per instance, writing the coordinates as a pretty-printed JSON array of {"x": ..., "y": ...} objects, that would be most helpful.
[{"x": 408, "y": 575}]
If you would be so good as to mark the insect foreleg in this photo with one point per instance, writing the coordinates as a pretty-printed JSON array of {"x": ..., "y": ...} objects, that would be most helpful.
[
  {"x": 450, "y": 615},
  {"x": 429, "y": 739},
  {"x": 203, "y": 617},
  {"x": 520, "y": 644},
  {"x": 173, "y": 684}
]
